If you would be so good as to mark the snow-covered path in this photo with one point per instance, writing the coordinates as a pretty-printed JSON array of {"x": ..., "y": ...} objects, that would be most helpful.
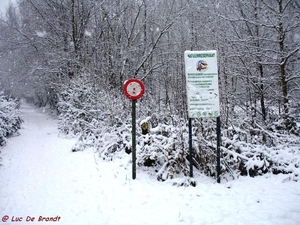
[{"x": 41, "y": 177}]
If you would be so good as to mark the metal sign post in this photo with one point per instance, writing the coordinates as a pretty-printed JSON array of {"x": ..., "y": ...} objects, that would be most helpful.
[
  {"x": 191, "y": 147},
  {"x": 201, "y": 71},
  {"x": 218, "y": 149},
  {"x": 133, "y": 140},
  {"x": 133, "y": 89}
]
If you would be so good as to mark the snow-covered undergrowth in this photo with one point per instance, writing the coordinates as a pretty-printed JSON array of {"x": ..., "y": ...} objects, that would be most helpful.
[
  {"x": 164, "y": 151},
  {"x": 241, "y": 158},
  {"x": 10, "y": 120},
  {"x": 254, "y": 148}
]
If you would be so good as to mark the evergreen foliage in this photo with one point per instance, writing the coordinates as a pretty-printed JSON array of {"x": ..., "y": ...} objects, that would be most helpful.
[{"x": 10, "y": 121}]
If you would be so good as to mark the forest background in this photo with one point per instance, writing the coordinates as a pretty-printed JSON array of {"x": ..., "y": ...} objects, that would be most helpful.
[{"x": 73, "y": 57}]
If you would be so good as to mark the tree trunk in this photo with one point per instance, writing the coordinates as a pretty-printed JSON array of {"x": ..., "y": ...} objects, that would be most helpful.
[{"x": 283, "y": 78}]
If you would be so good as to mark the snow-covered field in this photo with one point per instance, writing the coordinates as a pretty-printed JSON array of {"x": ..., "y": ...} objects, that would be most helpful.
[{"x": 43, "y": 182}]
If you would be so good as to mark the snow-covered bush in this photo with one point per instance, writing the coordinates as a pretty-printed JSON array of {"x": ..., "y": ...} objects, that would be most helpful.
[
  {"x": 91, "y": 114},
  {"x": 75, "y": 108},
  {"x": 163, "y": 151},
  {"x": 242, "y": 156},
  {"x": 10, "y": 120},
  {"x": 164, "y": 147},
  {"x": 83, "y": 107},
  {"x": 102, "y": 121}
]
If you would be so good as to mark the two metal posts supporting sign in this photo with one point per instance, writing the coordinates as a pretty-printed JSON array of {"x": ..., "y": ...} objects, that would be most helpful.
[
  {"x": 201, "y": 70},
  {"x": 202, "y": 86}
]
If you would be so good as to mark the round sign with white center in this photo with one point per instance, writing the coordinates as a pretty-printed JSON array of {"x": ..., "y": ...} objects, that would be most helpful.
[{"x": 133, "y": 89}]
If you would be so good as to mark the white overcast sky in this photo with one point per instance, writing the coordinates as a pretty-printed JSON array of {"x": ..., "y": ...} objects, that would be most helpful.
[{"x": 4, "y": 4}]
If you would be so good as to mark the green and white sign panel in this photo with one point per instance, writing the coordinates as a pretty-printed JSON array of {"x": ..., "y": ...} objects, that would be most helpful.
[{"x": 201, "y": 71}]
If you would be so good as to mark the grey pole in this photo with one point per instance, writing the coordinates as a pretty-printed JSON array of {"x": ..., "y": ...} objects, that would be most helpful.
[
  {"x": 218, "y": 149},
  {"x": 133, "y": 139},
  {"x": 190, "y": 147}
]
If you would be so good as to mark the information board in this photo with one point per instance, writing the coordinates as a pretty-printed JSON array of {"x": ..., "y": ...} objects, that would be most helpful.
[{"x": 201, "y": 71}]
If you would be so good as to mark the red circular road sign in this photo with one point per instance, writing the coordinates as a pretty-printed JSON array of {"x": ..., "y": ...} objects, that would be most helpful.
[{"x": 133, "y": 89}]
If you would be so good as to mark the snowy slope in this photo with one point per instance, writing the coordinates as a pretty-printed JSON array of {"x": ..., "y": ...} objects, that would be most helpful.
[{"x": 41, "y": 177}]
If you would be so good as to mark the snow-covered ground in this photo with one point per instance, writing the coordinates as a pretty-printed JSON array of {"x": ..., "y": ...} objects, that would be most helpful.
[{"x": 42, "y": 180}]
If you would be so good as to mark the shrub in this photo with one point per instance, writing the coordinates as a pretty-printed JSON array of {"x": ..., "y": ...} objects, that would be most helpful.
[{"x": 10, "y": 121}]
